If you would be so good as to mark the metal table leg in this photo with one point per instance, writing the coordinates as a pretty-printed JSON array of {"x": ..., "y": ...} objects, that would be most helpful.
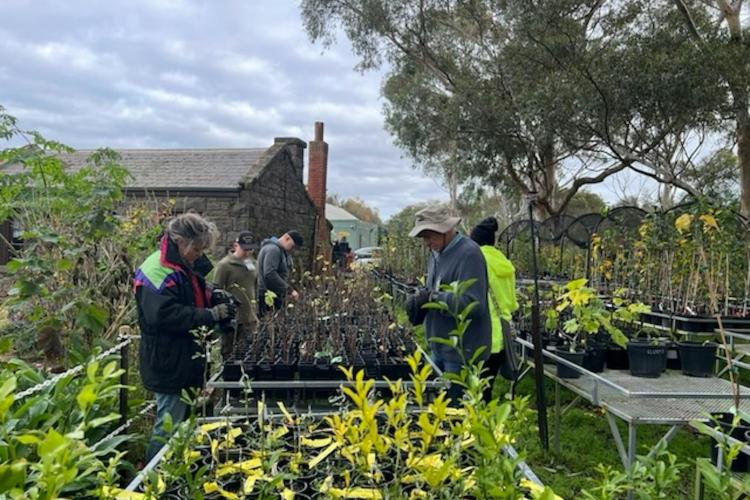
[
  {"x": 556, "y": 438},
  {"x": 618, "y": 439}
]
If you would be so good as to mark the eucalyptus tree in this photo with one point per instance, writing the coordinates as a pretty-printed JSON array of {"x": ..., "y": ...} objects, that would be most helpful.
[{"x": 533, "y": 95}]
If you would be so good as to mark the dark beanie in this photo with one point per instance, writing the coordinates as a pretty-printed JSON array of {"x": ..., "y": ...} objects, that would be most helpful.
[
  {"x": 296, "y": 237},
  {"x": 484, "y": 232}
]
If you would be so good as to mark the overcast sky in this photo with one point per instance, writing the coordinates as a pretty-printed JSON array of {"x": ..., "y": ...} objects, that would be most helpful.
[{"x": 199, "y": 73}]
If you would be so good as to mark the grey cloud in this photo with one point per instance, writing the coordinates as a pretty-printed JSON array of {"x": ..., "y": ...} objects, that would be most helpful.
[{"x": 199, "y": 73}]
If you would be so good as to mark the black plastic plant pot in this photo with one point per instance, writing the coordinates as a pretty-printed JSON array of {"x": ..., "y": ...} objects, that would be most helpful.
[
  {"x": 576, "y": 357},
  {"x": 741, "y": 433},
  {"x": 646, "y": 359},
  {"x": 673, "y": 356},
  {"x": 617, "y": 358},
  {"x": 231, "y": 372},
  {"x": 698, "y": 359},
  {"x": 595, "y": 358},
  {"x": 735, "y": 322},
  {"x": 283, "y": 371},
  {"x": 264, "y": 371},
  {"x": 323, "y": 371},
  {"x": 306, "y": 370},
  {"x": 695, "y": 324}
]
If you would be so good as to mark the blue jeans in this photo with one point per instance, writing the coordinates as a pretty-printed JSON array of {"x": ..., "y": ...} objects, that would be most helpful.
[
  {"x": 455, "y": 392},
  {"x": 166, "y": 404}
]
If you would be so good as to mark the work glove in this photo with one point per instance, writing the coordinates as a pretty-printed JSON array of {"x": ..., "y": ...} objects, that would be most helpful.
[
  {"x": 223, "y": 312},
  {"x": 414, "y": 303},
  {"x": 220, "y": 296}
]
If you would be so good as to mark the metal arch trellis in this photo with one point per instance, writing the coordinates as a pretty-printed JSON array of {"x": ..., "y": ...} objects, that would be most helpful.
[
  {"x": 551, "y": 230},
  {"x": 620, "y": 224}
]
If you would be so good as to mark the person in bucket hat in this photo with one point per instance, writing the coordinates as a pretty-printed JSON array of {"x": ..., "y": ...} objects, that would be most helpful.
[
  {"x": 237, "y": 273},
  {"x": 453, "y": 257}
]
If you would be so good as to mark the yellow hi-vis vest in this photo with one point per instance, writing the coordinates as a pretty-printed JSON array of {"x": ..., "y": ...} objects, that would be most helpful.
[{"x": 502, "y": 291}]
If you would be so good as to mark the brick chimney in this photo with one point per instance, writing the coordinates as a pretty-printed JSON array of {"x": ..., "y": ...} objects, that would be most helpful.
[{"x": 317, "y": 172}]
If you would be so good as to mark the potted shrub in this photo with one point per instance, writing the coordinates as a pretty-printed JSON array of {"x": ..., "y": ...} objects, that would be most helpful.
[
  {"x": 698, "y": 357},
  {"x": 587, "y": 316}
]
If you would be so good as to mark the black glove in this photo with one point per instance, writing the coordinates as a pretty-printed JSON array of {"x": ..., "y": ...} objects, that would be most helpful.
[
  {"x": 414, "y": 305},
  {"x": 223, "y": 312},
  {"x": 219, "y": 296}
]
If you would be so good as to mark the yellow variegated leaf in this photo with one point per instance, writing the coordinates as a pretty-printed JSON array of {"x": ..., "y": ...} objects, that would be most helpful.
[
  {"x": 362, "y": 493},
  {"x": 247, "y": 488},
  {"x": 682, "y": 223},
  {"x": 210, "y": 487},
  {"x": 286, "y": 413},
  {"x": 417, "y": 493},
  {"x": 316, "y": 443},
  {"x": 280, "y": 432},
  {"x": 287, "y": 494},
  {"x": 119, "y": 494},
  {"x": 534, "y": 488},
  {"x": 709, "y": 222},
  {"x": 322, "y": 456},
  {"x": 206, "y": 428}
]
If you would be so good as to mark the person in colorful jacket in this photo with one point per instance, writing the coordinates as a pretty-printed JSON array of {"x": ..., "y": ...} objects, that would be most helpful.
[
  {"x": 172, "y": 301},
  {"x": 502, "y": 294},
  {"x": 237, "y": 273}
]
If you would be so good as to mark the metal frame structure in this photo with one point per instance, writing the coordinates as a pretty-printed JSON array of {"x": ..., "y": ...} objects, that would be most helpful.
[
  {"x": 673, "y": 399},
  {"x": 737, "y": 353}
]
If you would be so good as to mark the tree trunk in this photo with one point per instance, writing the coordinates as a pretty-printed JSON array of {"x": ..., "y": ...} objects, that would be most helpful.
[
  {"x": 743, "y": 154},
  {"x": 739, "y": 90}
]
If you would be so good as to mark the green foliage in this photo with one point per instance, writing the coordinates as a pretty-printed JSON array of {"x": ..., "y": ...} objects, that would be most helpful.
[
  {"x": 539, "y": 96},
  {"x": 50, "y": 447},
  {"x": 587, "y": 314},
  {"x": 72, "y": 277}
]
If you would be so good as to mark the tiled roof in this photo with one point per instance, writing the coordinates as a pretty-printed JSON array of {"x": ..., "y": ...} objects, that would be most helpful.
[
  {"x": 186, "y": 168},
  {"x": 183, "y": 168}
]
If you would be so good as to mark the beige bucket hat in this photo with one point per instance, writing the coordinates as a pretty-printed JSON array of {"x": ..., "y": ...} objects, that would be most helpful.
[{"x": 434, "y": 218}]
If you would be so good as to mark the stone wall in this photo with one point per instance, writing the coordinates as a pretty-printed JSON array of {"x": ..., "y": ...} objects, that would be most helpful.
[
  {"x": 277, "y": 202},
  {"x": 269, "y": 205}
]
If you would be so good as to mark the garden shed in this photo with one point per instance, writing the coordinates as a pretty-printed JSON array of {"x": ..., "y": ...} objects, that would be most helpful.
[{"x": 358, "y": 233}]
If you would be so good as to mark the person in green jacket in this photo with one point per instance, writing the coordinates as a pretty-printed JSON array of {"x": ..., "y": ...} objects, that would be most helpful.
[
  {"x": 502, "y": 294},
  {"x": 237, "y": 273}
]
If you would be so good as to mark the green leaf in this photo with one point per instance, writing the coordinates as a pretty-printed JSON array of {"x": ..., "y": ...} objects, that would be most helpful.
[
  {"x": 52, "y": 444},
  {"x": 8, "y": 387},
  {"x": 86, "y": 397},
  {"x": 6, "y": 344},
  {"x": 92, "y": 317},
  {"x": 64, "y": 264},
  {"x": 28, "y": 439},
  {"x": 13, "y": 475}
]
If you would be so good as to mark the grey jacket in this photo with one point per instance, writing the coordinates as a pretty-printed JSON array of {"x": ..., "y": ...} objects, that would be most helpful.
[
  {"x": 459, "y": 261},
  {"x": 273, "y": 268}
]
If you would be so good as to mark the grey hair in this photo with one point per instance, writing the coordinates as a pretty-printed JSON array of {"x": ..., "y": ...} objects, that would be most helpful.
[{"x": 192, "y": 230}]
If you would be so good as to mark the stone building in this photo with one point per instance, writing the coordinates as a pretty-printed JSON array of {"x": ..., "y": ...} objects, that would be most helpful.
[{"x": 259, "y": 189}]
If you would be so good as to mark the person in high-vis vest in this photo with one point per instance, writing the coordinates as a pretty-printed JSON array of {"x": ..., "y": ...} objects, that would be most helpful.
[{"x": 501, "y": 299}]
